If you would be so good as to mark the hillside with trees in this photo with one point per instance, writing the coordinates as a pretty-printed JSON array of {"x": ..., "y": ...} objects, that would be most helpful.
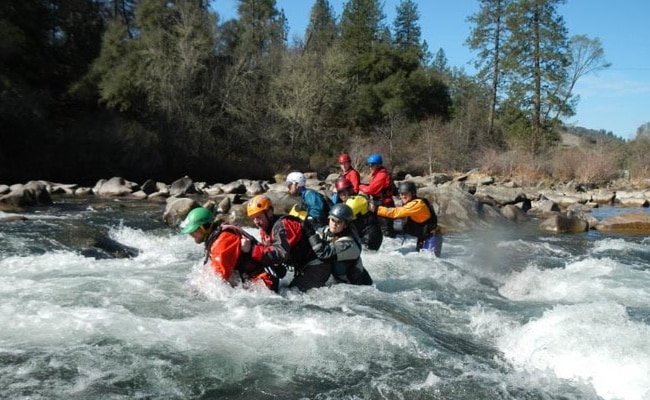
[{"x": 159, "y": 89}]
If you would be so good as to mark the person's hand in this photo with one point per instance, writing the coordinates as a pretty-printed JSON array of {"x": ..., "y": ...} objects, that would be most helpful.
[
  {"x": 308, "y": 227},
  {"x": 372, "y": 207},
  {"x": 245, "y": 244}
]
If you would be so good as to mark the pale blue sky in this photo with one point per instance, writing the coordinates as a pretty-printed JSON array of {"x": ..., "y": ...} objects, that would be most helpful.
[{"x": 616, "y": 100}]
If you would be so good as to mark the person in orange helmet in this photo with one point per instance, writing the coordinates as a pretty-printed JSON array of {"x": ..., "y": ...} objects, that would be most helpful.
[{"x": 284, "y": 242}]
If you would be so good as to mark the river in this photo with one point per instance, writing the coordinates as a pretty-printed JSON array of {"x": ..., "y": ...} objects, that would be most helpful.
[{"x": 511, "y": 313}]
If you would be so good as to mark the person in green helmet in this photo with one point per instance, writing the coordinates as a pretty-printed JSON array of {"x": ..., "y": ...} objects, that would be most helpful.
[{"x": 223, "y": 249}]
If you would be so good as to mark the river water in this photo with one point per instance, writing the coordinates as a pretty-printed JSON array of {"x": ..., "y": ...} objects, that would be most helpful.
[{"x": 506, "y": 314}]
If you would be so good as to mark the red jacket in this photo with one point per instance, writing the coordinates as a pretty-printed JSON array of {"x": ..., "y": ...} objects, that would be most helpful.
[
  {"x": 380, "y": 187},
  {"x": 353, "y": 176}
]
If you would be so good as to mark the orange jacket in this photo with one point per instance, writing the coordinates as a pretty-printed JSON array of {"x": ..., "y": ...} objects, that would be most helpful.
[
  {"x": 226, "y": 257},
  {"x": 420, "y": 217}
]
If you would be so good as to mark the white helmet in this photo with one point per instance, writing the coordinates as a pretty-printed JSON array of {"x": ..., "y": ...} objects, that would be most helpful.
[{"x": 297, "y": 177}]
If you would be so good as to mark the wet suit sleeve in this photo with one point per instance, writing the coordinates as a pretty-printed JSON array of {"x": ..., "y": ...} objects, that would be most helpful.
[
  {"x": 414, "y": 209},
  {"x": 314, "y": 204},
  {"x": 344, "y": 248},
  {"x": 284, "y": 234},
  {"x": 376, "y": 184}
]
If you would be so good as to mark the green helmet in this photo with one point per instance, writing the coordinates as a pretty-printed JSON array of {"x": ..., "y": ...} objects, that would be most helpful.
[{"x": 195, "y": 218}]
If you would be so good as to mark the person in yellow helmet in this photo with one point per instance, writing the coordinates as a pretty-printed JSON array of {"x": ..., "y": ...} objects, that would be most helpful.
[
  {"x": 420, "y": 219},
  {"x": 365, "y": 222}
]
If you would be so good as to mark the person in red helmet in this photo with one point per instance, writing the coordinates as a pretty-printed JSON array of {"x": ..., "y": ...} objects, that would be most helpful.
[{"x": 349, "y": 173}]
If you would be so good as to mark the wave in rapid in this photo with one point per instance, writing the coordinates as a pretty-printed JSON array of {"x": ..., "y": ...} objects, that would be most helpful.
[{"x": 529, "y": 320}]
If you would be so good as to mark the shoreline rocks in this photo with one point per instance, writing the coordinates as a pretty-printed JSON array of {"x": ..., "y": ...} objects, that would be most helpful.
[{"x": 469, "y": 201}]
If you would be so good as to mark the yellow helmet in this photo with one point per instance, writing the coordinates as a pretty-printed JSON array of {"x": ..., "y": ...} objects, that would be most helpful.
[
  {"x": 258, "y": 204},
  {"x": 358, "y": 204}
]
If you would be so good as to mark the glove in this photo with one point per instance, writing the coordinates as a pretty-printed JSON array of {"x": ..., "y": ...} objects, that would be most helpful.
[{"x": 308, "y": 228}]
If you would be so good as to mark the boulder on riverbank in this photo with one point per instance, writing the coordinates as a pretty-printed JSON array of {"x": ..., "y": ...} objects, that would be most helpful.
[
  {"x": 466, "y": 202},
  {"x": 635, "y": 223}
]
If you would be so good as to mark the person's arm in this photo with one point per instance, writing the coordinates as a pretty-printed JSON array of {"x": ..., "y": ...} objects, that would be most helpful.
[
  {"x": 344, "y": 248},
  {"x": 375, "y": 186},
  {"x": 279, "y": 249},
  {"x": 314, "y": 204},
  {"x": 415, "y": 209}
]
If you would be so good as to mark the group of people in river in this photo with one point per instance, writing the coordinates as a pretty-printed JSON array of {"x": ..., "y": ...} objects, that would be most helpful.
[{"x": 324, "y": 239}]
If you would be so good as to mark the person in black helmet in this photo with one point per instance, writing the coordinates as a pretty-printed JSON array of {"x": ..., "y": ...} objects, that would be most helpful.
[
  {"x": 420, "y": 219},
  {"x": 339, "y": 244}
]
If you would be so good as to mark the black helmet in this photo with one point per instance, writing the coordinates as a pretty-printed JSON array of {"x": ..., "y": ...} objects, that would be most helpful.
[
  {"x": 407, "y": 187},
  {"x": 342, "y": 211}
]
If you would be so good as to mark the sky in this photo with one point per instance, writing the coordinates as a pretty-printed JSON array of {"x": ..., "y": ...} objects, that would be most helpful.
[{"x": 616, "y": 100}]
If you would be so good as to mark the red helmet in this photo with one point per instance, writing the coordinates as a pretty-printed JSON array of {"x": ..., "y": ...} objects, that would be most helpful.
[
  {"x": 343, "y": 183},
  {"x": 343, "y": 158}
]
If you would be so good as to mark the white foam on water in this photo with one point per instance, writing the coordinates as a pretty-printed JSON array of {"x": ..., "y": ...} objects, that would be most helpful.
[
  {"x": 592, "y": 342},
  {"x": 586, "y": 333}
]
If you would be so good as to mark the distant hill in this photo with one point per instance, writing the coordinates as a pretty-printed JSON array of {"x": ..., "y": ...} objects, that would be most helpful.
[{"x": 577, "y": 135}]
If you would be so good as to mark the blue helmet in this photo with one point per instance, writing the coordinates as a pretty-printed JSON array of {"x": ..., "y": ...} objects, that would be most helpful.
[{"x": 374, "y": 159}]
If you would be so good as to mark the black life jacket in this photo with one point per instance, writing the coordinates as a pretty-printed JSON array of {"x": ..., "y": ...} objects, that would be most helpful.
[
  {"x": 301, "y": 253},
  {"x": 422, "y": 230}
]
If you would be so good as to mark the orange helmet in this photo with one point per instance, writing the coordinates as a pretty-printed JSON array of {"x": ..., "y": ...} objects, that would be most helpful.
[
  {"x": 343, "y": 158},
  {"x": 258, "y": 204}
]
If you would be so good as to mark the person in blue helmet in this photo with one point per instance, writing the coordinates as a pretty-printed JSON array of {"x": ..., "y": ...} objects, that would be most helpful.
[
  {"x": 380, "y": 190},
  {"x": 315, "y": 203}
]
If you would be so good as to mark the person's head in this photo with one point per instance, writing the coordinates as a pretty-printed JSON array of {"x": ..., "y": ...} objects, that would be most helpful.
[
  {"x": 295, "y": 181},
  {"x": 340, "y": 217},
  {"x": 344, "y": 188},
  {"x": 344, "y": 161},
  {"x": 260, "y": 210},
  {"x": 358, "y": 205},
  {"x": 198, "y": 223},
  {"x": 374, "y": 161},
  {"x": 407, "y": 191}
]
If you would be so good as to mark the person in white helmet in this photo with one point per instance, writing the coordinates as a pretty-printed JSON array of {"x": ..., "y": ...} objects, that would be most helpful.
[{"x": 314, "y": 202}]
